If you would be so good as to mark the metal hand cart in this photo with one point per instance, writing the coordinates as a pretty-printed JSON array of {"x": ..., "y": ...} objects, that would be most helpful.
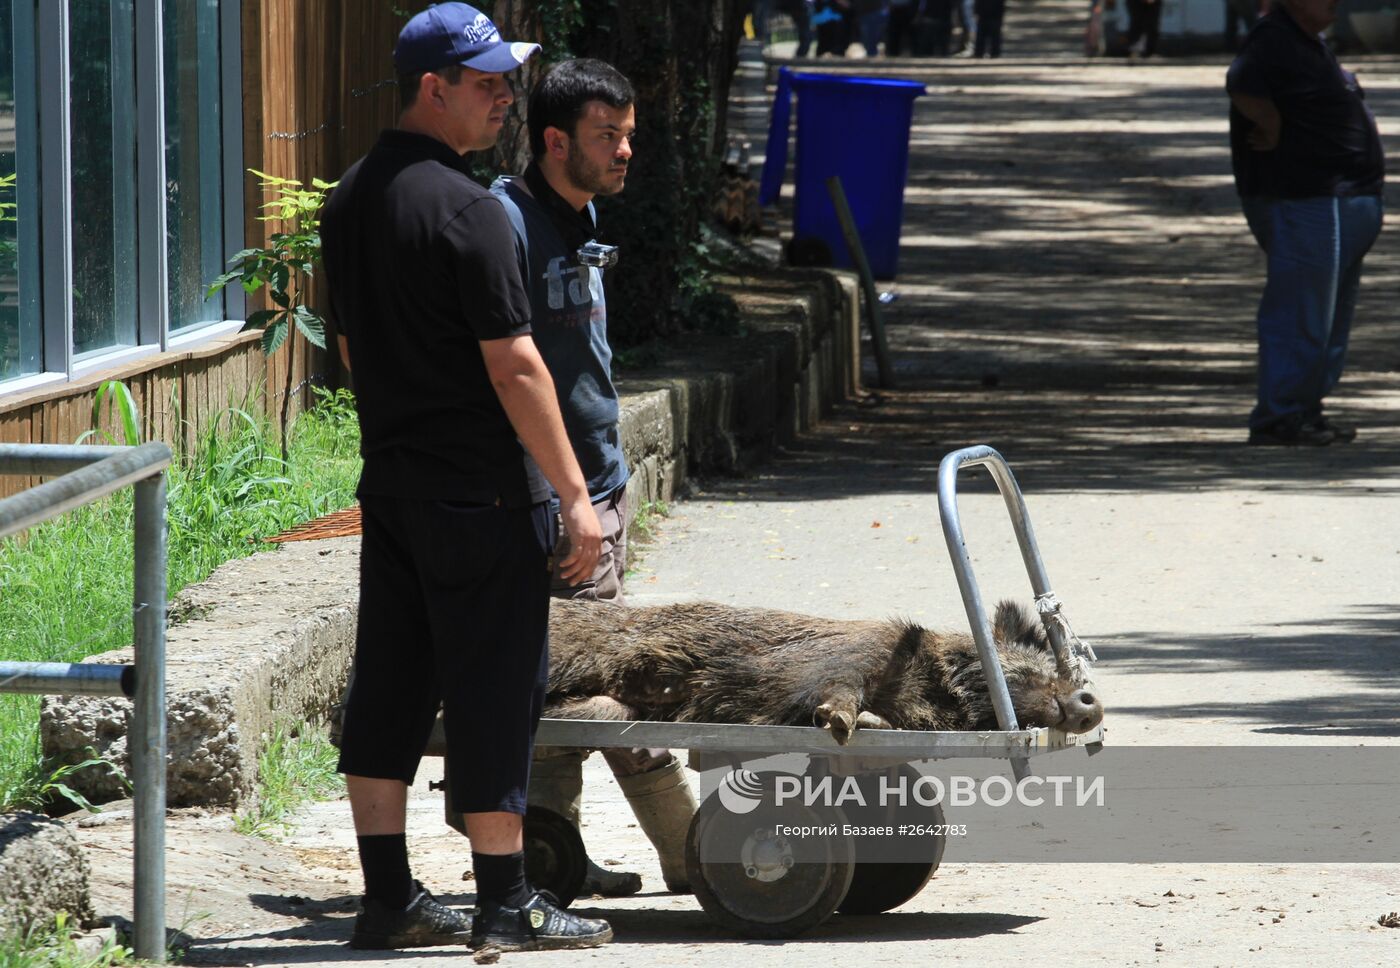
[{"x": 764, "y": 892}]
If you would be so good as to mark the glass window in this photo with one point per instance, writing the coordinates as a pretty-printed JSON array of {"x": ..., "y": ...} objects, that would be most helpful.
[
  {"x": 102, "y": 99},
  {"x": 21, "y": 342},
  {"x": 193, "y": 176}
]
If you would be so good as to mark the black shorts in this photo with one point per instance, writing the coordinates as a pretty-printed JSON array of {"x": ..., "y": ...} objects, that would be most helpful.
[{"x": 454, "y": 609}]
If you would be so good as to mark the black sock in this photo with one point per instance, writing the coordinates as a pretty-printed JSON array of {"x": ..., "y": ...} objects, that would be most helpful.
[
  {"x": 501, "y": 878},
  {"x": 384, "y": 859}
]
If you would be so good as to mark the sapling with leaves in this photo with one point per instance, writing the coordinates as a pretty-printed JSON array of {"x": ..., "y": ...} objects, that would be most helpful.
[{"x": 284, "y": 267}]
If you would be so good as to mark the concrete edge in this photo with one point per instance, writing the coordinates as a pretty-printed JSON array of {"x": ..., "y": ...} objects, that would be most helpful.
[{"x": 269, "y": 638}]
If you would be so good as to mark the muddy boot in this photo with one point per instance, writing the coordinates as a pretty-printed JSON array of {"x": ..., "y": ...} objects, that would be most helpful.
[
  {"x": 664, "y": 805},
  {"x": 606, "y": 883},
  {"x": 556, "y": 783}
]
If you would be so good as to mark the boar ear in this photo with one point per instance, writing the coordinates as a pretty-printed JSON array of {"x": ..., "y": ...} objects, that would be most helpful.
[{"x": 1015, "y": 623}]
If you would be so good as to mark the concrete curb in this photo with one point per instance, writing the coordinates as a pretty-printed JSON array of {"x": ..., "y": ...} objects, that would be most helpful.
[
  {"x": 263, "y": 639},
  {"x": 42, "y": 871},
  {"x": 270, "y": 637}
]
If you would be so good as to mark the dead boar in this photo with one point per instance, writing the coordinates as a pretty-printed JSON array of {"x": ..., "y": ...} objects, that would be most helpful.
[{"x": 712, "y": 663}]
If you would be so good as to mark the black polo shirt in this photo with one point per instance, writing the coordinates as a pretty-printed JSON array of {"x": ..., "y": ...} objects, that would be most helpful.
[
  {"x": 421, "y": 266},
  {"x": 1328, "y": 143}
]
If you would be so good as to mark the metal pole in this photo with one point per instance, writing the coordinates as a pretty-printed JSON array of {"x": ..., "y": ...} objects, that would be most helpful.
[
  {"x": 1030, "y": 549},
  {"x": 867, "y": 280},
  {"x": 52, "y": 458},
  {"x": 147, "y": 739},
  {"x": 78, "y": 487},
  {"x": 67, "y": 679},
  {"x": 967, "y": 580}
]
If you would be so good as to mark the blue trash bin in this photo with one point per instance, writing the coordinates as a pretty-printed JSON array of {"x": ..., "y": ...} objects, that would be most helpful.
[{"x": 854, "y": 127}]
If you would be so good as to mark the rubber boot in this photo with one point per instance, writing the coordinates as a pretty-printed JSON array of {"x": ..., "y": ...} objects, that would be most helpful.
[
  {"x": 664, "y": 805},
  {"x": 556, "y": 783}
]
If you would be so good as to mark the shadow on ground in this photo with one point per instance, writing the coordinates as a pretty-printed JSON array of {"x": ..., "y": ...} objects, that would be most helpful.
[{"x": 1077, "y": 288}]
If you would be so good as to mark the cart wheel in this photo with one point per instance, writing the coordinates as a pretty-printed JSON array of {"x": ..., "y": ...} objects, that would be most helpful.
[
  {"x": 555, "y": 858},
  {"x": 771, "y": 888},
  {"x": 883, "y": 885}
]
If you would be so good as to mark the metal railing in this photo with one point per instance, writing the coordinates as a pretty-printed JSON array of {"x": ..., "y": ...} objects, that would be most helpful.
[{"x": 89, "y": 473}]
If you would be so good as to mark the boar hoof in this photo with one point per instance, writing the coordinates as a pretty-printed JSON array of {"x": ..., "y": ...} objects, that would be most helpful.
[
  {"x": 840, "y": 721},
  {"x": 869, "y": 720}
]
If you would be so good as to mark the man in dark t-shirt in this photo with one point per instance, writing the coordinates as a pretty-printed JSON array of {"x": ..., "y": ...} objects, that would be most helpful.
[
  {"x": 581, "y": 121},
  {"x": 434, "y": 324},
  {"x": 1309, "y": 170}
]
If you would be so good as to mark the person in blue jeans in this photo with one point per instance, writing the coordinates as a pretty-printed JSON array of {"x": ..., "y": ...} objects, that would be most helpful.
[
  {"x": 967, "y": 17},
  {"x": 871, "y": 16},
  {"x": 1310, "y": 170}
]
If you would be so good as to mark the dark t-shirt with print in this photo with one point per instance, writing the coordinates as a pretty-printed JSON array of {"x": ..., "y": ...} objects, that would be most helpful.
[
  {"x": 569, "y": 321},
  {"x": 421, "y": 267},
  {"x": 1328, "y": 143}
]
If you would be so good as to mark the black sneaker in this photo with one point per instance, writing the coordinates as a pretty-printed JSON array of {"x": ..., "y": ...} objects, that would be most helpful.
[
  {"x": 540, "y": 925},
  {"x": 1292, "y": 433},
  {"x": 422, "y": 924}
]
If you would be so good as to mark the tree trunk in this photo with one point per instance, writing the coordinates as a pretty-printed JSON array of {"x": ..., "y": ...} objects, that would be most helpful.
[{"x": 680, "y": 56}]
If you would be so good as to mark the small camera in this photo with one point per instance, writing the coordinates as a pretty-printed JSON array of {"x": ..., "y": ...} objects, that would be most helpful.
[{"x": 598, "y": 255}]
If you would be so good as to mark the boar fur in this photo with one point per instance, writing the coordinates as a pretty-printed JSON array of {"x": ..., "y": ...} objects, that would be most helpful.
[{"x": 704, "y": 662}]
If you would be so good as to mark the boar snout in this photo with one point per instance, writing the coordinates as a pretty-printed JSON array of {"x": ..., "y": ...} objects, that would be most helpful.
[{"x": 1081, "y": 711}]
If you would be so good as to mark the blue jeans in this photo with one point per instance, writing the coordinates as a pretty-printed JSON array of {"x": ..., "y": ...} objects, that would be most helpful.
[
  {"x": 872, "y": 31},
  {"x": 1315, "y": 247},
  {"x": 968, "y": 17}
]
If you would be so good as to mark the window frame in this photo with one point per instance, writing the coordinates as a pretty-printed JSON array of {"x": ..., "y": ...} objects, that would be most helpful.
[{"x": 54, "y": 156}]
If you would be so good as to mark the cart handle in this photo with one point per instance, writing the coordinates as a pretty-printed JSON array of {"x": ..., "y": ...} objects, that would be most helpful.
[{"x": 1047, "y": 605}]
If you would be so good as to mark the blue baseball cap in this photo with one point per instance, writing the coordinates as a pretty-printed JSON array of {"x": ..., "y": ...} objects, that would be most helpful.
[{"x": 454, "y": 33}]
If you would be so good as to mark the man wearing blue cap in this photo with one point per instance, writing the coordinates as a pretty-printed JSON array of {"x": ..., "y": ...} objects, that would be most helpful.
[{"x": 427, "y": 297}]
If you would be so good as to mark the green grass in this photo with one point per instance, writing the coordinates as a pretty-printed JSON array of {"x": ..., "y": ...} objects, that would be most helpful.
[
  {"x": 296, "y": 767},
  {"x": 65, "y": 586},
  {"x": 642, "y": 530},
  {"x": 53, "y": 947}
]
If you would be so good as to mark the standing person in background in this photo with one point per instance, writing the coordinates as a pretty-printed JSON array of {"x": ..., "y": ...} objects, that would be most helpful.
[
  {"x": 1310, "y": 172},
  {"x": 801, "y": 14},
  {"x": 1237, "y": 12},
  {"x": 760, "y": 21},
  {"x": 933, "y": 28},
  {"x": 831, "y": 18},
  {"x": 1145, "y": 23},
  {"x": 435, "y": 325},
  {"x": 967, "y": 17},
  {"x": 990, "y": 14},
  {"x": 870, "y": 20},
  {"x": 900, "y": 33},
  {"x": 581, "y": 122}
]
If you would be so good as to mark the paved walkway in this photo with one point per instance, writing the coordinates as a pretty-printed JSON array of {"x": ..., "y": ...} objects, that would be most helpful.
[{"x": 1077, "y": 290}]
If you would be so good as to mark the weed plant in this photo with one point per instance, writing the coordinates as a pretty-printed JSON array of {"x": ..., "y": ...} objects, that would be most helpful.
[
  {"x": 66, "y": 586},
  {"x": 52, "y": 946},
  {"x": 641, "y": 532},
  {"x": 296, "y": 766}
]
